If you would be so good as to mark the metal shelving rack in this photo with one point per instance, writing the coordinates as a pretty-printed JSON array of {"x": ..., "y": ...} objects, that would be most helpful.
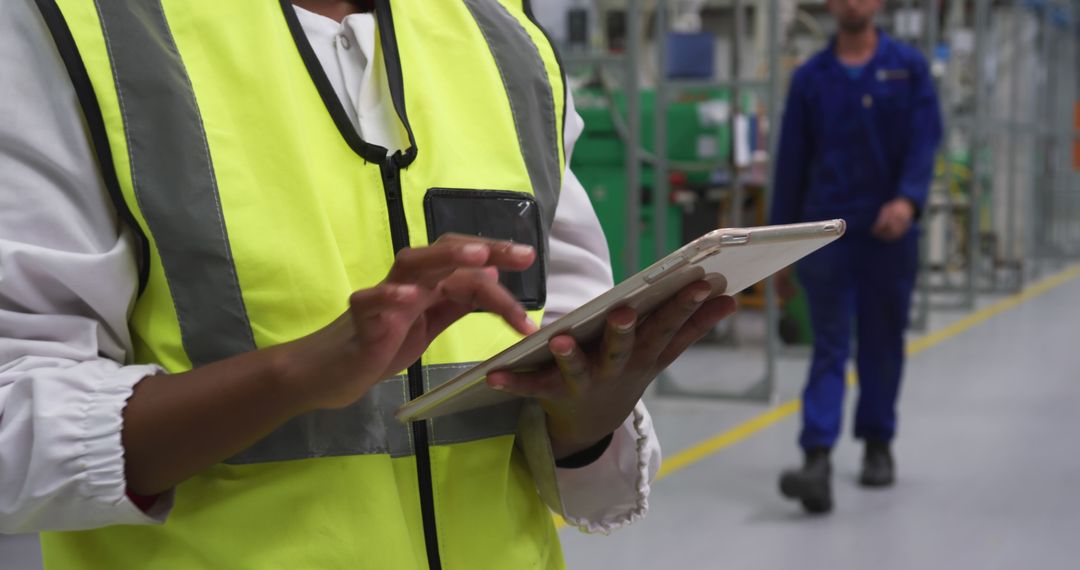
[
  {"x": 1048, "y": 139},
  {"x": 630, "y": 62},
  {"x": 764, "y": 388}
]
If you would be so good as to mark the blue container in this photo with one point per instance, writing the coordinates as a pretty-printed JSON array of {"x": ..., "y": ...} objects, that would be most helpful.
[
  {"x": 691, "y": 56},
  {"x": 943, "y": 52}
]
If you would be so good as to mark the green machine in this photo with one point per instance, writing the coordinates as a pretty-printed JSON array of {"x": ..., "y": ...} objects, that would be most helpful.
[{"x": 697, "y": 132}]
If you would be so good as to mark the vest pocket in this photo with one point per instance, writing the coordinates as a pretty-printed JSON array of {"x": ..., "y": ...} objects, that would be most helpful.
[{"x": 495, "y": 214}]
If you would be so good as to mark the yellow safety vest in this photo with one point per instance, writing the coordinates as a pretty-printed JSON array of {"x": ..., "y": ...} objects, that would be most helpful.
[{"x": 261, "y": 209}]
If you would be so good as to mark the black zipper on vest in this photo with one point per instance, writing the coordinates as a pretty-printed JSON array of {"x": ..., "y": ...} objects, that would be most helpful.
[
  {"x": 399, "y": 227},
  {"x": 390, "y": 167},
  {"x": 423, "y": 472},
  {"x": 399, "y": 232}
]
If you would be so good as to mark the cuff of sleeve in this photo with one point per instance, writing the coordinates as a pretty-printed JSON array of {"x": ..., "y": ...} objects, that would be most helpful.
[
  {"x": 101, "y": 461},
  {"x": 586, "y": 457},
  {"x": 916, "y": 207},
  {"x": 613, "y": 491},
  {"x": 157, "y": 507}
]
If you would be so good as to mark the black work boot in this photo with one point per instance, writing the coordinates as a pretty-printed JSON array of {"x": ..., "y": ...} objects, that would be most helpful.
[
  {"x": 811, "y": 485},
  {"x": 878, "y": 469}
]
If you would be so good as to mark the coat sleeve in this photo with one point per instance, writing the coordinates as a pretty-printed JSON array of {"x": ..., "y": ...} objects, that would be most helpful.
[{"x": 917, "y": 170}]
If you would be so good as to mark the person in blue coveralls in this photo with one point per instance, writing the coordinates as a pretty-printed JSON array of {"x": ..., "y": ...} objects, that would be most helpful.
[{"x": 859, "y": 135}]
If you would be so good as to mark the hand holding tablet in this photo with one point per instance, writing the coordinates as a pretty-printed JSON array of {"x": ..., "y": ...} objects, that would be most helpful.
[{"x": 728, "y": 260}]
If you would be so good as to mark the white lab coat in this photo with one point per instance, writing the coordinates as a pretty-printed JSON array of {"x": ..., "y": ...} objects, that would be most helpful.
[{"x": 68, "y": 280}]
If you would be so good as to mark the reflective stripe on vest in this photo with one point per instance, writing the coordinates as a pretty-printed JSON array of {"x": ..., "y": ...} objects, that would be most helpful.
[
  {"x": 531, "y": 99},
  {"x": 173, "y": 180},
  {"x": 368, "y": 427}
]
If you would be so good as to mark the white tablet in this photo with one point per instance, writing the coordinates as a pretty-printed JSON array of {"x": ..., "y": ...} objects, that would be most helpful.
[{"x": 731, "y": 259}]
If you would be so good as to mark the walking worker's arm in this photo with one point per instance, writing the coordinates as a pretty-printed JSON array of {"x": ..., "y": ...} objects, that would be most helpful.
[
  {"x": 794, "y": 153},
  {"x": 924, "y": 136}
]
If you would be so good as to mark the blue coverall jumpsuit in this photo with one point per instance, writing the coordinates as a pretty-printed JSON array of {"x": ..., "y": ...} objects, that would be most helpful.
[{"x": 852, "y": 140}]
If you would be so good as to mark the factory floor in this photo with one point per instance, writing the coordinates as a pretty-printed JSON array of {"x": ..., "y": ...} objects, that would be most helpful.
[{"x": 988, "y": 459}]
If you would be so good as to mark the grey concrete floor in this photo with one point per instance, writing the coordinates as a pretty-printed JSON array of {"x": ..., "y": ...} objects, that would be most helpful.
[{"x": 989, "y": 464}]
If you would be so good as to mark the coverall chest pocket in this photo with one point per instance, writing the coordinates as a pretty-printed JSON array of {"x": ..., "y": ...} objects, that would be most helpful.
[
  {"x": 892, "y": 90},
  {"x": 892, "y": 103}
]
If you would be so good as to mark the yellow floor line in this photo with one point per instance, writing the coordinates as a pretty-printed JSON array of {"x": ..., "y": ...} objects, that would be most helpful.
[{"x": 726, "y": 439}]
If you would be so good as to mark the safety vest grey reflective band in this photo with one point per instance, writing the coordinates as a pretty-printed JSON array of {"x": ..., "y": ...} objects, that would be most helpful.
[
  {"x": 368, "y": 427},
  {"x": 531, "y": 99},
  {"x": 173, "y": 178}
]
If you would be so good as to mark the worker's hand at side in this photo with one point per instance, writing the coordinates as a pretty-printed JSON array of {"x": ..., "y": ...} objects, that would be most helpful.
[
  {"x": 894, "y": 219},
  {"x": 389, "y": 326},
  {"x": 589, "y": 391},
  {"x": 785, "y": 283}
]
